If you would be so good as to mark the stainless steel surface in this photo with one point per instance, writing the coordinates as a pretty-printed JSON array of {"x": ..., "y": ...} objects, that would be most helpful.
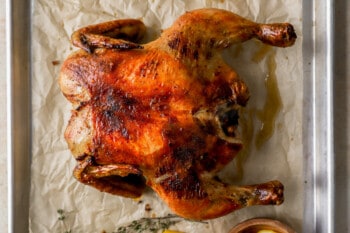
[
  {"x": 19, "y": 113},
  {"x": 318, "y": 114}
]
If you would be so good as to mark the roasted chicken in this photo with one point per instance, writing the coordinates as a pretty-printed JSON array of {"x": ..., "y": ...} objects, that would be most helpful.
[{"x": 165, "y": 113}]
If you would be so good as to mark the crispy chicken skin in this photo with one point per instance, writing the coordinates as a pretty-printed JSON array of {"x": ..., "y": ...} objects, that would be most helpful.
[{"x": 165, "y": 113}]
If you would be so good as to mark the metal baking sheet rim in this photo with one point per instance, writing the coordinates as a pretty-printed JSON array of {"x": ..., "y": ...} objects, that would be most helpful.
[{"x": 317, "y": 116}]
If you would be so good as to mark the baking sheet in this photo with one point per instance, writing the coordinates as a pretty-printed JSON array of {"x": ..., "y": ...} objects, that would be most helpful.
[
  {"x": 52, "y": 190},
  {"x": 52, "y": 184}
]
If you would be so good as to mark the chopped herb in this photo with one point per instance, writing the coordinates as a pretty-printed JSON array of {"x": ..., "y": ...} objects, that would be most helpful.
[{"x": 62, "y": 217}]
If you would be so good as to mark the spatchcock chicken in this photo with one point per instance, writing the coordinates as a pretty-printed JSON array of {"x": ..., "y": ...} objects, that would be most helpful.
[{"x": 165, "y": 113}]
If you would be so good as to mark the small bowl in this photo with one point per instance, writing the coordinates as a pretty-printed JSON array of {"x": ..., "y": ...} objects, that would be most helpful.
[{"x": 258, "y": 224}]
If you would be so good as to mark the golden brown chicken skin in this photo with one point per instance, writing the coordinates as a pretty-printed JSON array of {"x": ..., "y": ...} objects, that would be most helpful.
[{"x": 164, "y": 114}]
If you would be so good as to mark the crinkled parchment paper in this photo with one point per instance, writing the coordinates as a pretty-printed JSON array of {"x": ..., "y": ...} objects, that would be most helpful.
[{"x": 87, "y": 209}]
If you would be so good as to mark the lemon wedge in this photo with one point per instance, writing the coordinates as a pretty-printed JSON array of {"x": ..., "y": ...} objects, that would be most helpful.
[
  {"x": 170, "y": 231},
  {"x": 266, "y": 231}
]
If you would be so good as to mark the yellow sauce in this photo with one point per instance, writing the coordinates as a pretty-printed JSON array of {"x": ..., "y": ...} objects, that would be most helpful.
[
  {"x": 261, "y": 53},
  {"x": 237, "y": 50},
  {"x": 266, "y": 116},
  {"x": 273, "y": 104}
]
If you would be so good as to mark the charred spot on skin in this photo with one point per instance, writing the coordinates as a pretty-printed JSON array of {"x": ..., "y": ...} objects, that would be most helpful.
[
  {"x": 195, "y": 54},
  {"x": 187, "y": 187},
  {"x": 243, "y": 200},
  {"x": 199, "y": 44},
  {"x": 148, "y": 67},
  {"x": 105, "y": 66},
  {"x": 113, "y": 107},
  {"x": 160, "y": 103},
  {"x": 112, "y": 120},
  {"x": 184, "y": 154},
  {"x": 209, "y": 55},
  {"x": 130, "y": 37},
  {"x": 162, "y": 170},
  {"x": 174, "y": 43},
  {"x": 291, "y": 35},
  {"x": 170, "y": 130},
  {"x": 91, "y": 160},
  {"x": 208, "y": 126},
  {"x": 212, "y": 42},
  {"x": 78, "y": 70},
  {"x": 85, "y": 43},
  {"x": 208, "y": 162},
  {"x": 184, "y": 50},
  {"x": 222, "y": 91},
  {"x": 81, "y": 157},
  {"x": 229, "y": 122},
  {"x": 228, "y": 117},
  {"x": 125, "y": 133}
]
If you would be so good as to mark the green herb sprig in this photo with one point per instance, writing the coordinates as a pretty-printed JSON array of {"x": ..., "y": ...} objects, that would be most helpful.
[{"x": 152, "y": 225}]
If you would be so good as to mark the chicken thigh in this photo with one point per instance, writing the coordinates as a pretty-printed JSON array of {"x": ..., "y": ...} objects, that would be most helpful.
[{"x": 164, "y": 114}]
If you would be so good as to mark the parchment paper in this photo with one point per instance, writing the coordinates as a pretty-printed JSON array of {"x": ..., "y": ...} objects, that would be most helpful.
[{"x": 89, "y": 210}]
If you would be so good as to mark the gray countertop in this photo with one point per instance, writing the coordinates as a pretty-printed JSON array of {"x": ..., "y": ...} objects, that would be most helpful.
[
  {"x": 342, "y": 115},
  {"x": 341, "y": 118}
]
